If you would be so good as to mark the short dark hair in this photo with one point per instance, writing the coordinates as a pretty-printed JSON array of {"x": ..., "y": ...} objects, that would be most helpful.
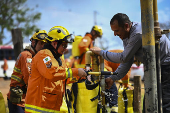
[{"x": 121, "y": 18}]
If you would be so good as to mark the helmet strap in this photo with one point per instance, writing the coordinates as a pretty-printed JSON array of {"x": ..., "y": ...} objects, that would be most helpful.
[
  {"x": 59, "y": 42},
  {"x": 36, "y": 41}
]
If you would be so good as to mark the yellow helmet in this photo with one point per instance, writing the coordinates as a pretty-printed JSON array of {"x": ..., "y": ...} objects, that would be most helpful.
[
  {"x": 39, "y": 35},
  {"x": 98, "y": 30},
  {"x": 59, "y": 33}
]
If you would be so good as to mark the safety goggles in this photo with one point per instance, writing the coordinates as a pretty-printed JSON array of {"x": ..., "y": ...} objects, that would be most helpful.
[
  {"x": 68, "y": 38},
  {"x": 42, "y": 36}
]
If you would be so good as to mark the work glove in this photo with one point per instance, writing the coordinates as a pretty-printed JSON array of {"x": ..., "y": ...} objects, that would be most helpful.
[{"x": 81, "y": 72}]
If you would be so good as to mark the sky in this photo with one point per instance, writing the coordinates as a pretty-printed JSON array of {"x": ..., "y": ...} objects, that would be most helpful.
[{"x": 78, "y": 16}]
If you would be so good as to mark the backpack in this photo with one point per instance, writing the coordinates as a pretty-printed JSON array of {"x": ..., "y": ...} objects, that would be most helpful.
[{"x": 75, "y": 46}]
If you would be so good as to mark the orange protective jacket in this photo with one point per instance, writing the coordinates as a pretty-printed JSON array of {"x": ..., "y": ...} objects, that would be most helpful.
[
  {"x": 110, "y": 66},
  {"x": 20, "y": 73},
  {"x": 84, "y": 46},
  {"x": 46, "y": 83},
  {"x": 5, "y": 66}
]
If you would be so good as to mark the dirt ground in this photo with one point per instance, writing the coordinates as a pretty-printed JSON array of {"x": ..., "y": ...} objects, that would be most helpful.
[{"x": 4, "y": 88}]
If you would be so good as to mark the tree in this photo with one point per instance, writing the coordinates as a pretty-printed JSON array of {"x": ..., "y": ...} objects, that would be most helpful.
[{"x": 15, "y": 14}]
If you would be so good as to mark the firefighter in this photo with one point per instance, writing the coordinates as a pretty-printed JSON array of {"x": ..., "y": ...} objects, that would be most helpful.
[
  {"x": 80, "y": 93},
  {"x": 88, "y": 42},
  {"x": 112, "y": 97},
  {"x": 20, "y": 75},
  {"x": 49, "y": 74},
  {"x": 5, "y": 67}
]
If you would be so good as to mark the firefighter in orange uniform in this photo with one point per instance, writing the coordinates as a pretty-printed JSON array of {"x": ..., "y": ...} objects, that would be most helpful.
[
  {"x": 20, "y": 75},
  {"x": 49, "y": 74},
  {"x": 5, "y": 67},
  {"x": 113, "y": 99},
  {"x": 87, "y": 43}
]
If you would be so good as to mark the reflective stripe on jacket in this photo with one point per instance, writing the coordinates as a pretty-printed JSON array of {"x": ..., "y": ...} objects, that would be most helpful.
[
  {"x": 20, "y": 73},
  {"x": 46, "y": 83}
]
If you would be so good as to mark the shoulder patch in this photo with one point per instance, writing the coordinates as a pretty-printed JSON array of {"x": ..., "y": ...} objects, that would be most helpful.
[
  {"x": 29, "y": 60},
  {"x": 84, "y": 40},
  {"x": 46, "y": 59}
]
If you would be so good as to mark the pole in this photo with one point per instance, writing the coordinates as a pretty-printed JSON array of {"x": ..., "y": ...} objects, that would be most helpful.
[
  {"x": 102, "y": 84},
  {"x": 95, "y": 23},
  {"x": 158, "y": 35},
  {"x": 95, "y": 18},
  {"x": 148, "y": 43},
  {"x": 137, "y": 94}
]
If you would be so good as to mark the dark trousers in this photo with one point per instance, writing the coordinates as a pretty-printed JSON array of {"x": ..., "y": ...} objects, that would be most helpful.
[
  {"x": 4, "y": 71},
  {"x": 111, "y": 96},
  {"x": 165, "y": 83},
  {"x": 14, "y": 108}
]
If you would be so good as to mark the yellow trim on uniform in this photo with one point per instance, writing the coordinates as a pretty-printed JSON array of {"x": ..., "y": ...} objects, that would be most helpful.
[
  {"x": 69, "y": 73},
  {"x": 87, "y": 49},
  {"x": 17, "y": 70},
  {"x": 66, "y": 73},
  {"x": 62, "y": 56},
  {"x": 17, "y": 79},
  {"x": 36, "y": 109}
]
